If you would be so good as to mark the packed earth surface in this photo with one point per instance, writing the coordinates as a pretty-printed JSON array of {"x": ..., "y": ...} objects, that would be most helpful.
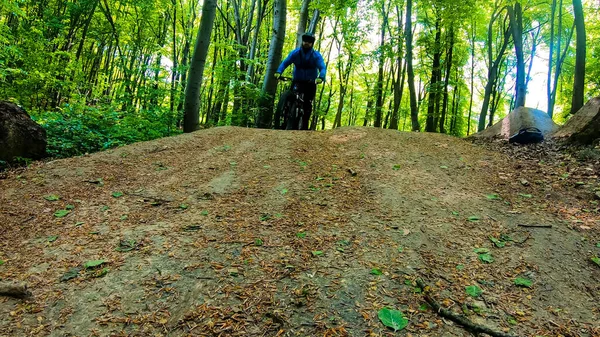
[{"x": 246, "y": 232}]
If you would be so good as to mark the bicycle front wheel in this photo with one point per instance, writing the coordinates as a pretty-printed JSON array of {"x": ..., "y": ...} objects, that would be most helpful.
[{"x": 292, "y": 122}]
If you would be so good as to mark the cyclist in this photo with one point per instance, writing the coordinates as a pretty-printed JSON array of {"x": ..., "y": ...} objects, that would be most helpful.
[{"x": 309, "y": 70}]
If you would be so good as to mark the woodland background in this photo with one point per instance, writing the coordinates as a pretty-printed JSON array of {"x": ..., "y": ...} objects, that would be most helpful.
[{"x": 98, "y": 74}]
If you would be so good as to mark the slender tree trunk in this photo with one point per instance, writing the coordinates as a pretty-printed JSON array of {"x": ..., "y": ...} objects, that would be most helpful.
[
  {"x": 492, "y": 71},
  {"x": 379, "y": 87},
  {"x": 430, "y": 125},
  {"x": 473, "y": 29},
  {"x": 550, "y": 59},
  {"x": 414, "y": 110},
  {"x": 516, "y": 22},
  {"x": 275, "y": 50},
  {"x": 302, "y": 22},
  {"x": 579, "y": 81},
  {"x": 192, "y": 93},
  {"x": 447, "y": 81}
]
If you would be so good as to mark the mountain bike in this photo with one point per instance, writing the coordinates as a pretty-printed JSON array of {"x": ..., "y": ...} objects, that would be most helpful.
[{"x": 290, "y": 108}]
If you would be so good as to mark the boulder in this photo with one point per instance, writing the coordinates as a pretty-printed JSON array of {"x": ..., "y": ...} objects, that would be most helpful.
[
  {"x": 519, "y": 119},
  {"x": 584, "y": 126},
  {"x": 20, "y": 136}
]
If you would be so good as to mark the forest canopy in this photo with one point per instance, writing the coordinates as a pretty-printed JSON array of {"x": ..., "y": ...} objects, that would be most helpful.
[{"x": 98, "y": 74}]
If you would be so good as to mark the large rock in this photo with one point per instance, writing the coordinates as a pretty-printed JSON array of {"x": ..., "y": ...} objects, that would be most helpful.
[
  {"x": 584, "y": 126},
  {"x": 20, "y": 136},
  {"x": 518, "y": 119}
]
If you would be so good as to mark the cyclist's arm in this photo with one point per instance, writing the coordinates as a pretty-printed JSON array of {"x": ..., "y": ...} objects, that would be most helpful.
[
  {"x": 286, "y": 63},
  {"x": 321, "y": 66}
]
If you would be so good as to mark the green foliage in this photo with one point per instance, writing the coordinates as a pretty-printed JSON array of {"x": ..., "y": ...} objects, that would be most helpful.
[
  {"x": 61, "y": 213},
  {"x": 392, "y": 318},
  {"x": 523, "y": 282},
  {"x": 93, "y": 263},
  {"x": 79, "y": 129},
  {"x": 474, "y": 291},
  {"x": 376, "y": 272}
]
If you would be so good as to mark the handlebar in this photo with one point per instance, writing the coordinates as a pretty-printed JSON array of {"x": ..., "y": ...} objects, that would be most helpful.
[{"x": 286, "y": 79}]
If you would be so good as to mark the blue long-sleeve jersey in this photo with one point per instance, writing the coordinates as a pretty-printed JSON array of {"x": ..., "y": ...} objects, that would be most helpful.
[{"x": 307, "y": 65}]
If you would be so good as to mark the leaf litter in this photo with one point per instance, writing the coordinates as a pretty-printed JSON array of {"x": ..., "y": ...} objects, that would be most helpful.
[{"x": 219, "y": 269}]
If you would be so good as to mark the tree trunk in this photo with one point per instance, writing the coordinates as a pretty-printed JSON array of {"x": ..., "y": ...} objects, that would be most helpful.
[
  {"x": 275, "y": 49},
  {"x": 302, "y": 22},
  {"x": 493, "y": 69},
  {"x": 192, "y": 93},
  {"x": 579, "y": 81},
  {"x": 414, "y": 110},
  {"x": 473, "y": 28},
  {"x": 430, "y": 125},
  {"x": 446, "y": 81},
  {"x": 379, "y": 86},
  {"x": 516, "y": 22}
]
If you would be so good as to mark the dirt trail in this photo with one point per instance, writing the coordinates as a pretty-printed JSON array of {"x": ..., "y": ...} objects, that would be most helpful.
[{"x": 245, "y": 232}]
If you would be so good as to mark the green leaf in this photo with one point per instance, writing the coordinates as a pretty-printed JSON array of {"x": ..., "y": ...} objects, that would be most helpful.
[
  {"x": 204, "y": 212},
  {"x": 400, "y": 249},
  {"x": 102, "y": 272},
  {"x": 267, "y": 166},
  {"x": 233, "y": 163},
  {"x": 455, "y": 213},
  {"x": 528, "y": 196},
  {"x": 511, "y": 320},
  {"x": 474, "y": 291},
  {"x": 61, "y": 213},
  {"x": 493, "y": 197},
  {"x": 71, "y": 274},
  {"x": 376, "y": 271},
  {"x": 598, "y": 245},
  {"x": 486, "y": 258},
  {"x": 79, "y": 223},
  {"x": 70, "y": 207},
  {"x": 184, "y": 206},
  {"x": 301, "y": 235},
  {"x": 317, "y": 253},
  {"x": 117, "y": 194},
  {"x": 523, "y": 282},
  {"x": 396, "y": 167},
  {"x": 258, "y": 242},
  {"x": 284, "y": 191},
  {"x": 52, "y": 238},
  {"x": 392, "y": 318},
  {"x": 93, "y": 263},
  {"x": 473, "y": 218},
  {"x": 52, "y": 197},
  {"x": 124, "y": 217},
  {"x": 481, "y": 250},
  {"x": 265, "y": 217},
  {"x": 497, "y": 242},
  {"x": 1, "y": 262},
  {"x": 444, "y": 167},
  {"x": 596, "y": 260},
  {"x": 460, "y": 267},
  {"x": 126, "y": 246}
]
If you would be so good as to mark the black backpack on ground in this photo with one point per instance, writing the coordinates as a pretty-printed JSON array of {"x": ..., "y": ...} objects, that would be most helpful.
[{"x": 529, "y": 135}]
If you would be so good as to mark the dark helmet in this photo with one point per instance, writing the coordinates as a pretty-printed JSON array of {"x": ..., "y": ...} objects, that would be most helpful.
[{"x": 308, "y": 37}]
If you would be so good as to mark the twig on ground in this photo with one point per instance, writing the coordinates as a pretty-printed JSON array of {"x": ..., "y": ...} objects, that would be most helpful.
[
  {"x": 535, "y": 225},
  {"x": 459, "y": 319},
  {"x": 14, "y": 290}
]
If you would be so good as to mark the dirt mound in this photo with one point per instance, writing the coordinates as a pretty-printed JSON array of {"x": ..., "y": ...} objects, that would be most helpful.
[
  {"x": 518, "y": 119},
  {"x": 584, "y": 126},
  {"x": 245, "y": 232}
]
